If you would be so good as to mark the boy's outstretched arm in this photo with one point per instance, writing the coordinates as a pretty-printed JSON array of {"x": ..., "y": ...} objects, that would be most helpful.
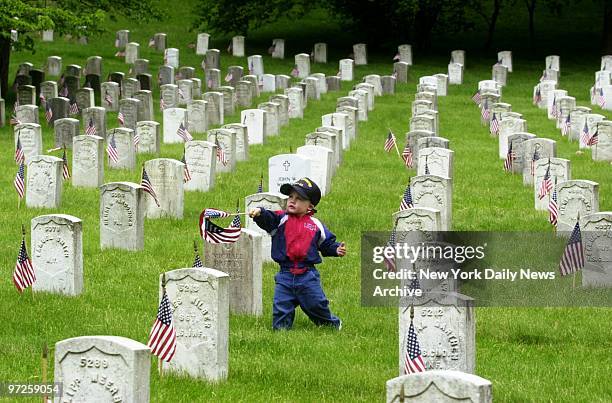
[{"x": 265, "y": 219}]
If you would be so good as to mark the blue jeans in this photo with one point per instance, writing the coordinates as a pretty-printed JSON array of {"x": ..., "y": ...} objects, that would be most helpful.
[{"x": 303, "y": 290}]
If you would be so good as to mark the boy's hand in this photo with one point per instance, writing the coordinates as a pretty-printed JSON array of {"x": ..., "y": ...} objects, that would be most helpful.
[
  {"x": 255, "y": 212},
  {"x": 341, "y": 251}
]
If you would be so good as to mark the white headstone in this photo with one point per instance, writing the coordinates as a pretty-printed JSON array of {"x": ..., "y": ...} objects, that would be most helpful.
[
  {"x": 455, "y": 73},
  {"x": 87, "y": 161},
  {"x": 559, "y": 172},
  {"x": 166, "y": 177},
  {"x": 201, "y": 160},
  {"x": 575, "y": 197},
  {"x": 360, "y": 53},
  {"x": 505, "y": 57},
  {"x": 173, "y": 117},
  {"x": 302, "y": 62},
  {"x": 296, "y": 102},
  {"x": 346, "y": 69},
  {"x": 439, "y": 386},
  {"x": 321, "y": 165},
  {"x": 44, "y": 181},
  {"x": 286, "y": 168},
  {"x": 534, "y": 149},
  {"x": 202, "y": 44},
  {"x": 439, "y": 161},
  {"x": 126, "y": 151},
  {"x": 254, "y": 120},
  {"x": 171, "y": 57},
  {"x": 30, "y": 137},
  {"x": 597, "y": 238},
  {"x": 226, "y": 139},
  {"x": 122, "y": 210},
  {"x": 238, "y": 46},
  {"x": 434, "y": 192}
]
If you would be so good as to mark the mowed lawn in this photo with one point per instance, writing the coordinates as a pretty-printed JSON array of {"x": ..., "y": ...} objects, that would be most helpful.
[{"x": 530, "y": 354}]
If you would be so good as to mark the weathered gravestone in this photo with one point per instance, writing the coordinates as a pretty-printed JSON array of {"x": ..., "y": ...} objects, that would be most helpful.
[
  {"x": 400, "y": 71},
  {"x": 110, "y": 95},
  {"x": 371, "y": 94},
  {"x": 388, "y": 85},
  {"x": 171, "y": 57},
  {"x": 159, "y": 40},
  {"x": 226, "y": 141},
  {"x": 296, "y": 102},
  {"x": 214, "y": 108},
  {"x": 592, "y": 121},
  {"x": 351, "y": 126},
  {"x": 141, "y": 66},
  {"x": 272, "y": 110},
  {"x": 286, "y": 168},
  {"x": 102, "y": 369},
  {"x": 242, "y": 140},
  {"x": 346, "y": 69},
  {"x": 517, "y": 142},
  {"x": 201, "y": 160},
  {"x": 26, "y": 95},
  {"x": 166, "y": 177},
  {"x": 338, "y": 135},
  {"x": 173, "y": 118},
  {"x": 44, "y": 181},
  {"x": 597, "y": 230},
  {"x": 321, "y": 166},
  {"x": 150, "y": 137},
  {"x": 558, "y": 170},
  {"x": 123, "y": 139},
  {"x": 129, "y": 108},
  {"x": 360, "y": 53},
  {"x": 439, "y": 386},
  {"x": 165, "y": 75},
  {"x": 405, "y": 53},
  {"x": 507, "y": 127},
  {"x": 57, "y": 253},
  {"x": 85, "y": 98},
  {"x": 87, "y": 161},
  {"x": 283, "y": 101},
  {"x": 575, "y": 198},
  {"x": 302, "y": 63},
  {"x": 244, "y": 95},
  {"x": 238, "y": 46},
  {"x": 27, "y": 113},
  {"x": 94, "y": 121},
  {"x": 435, "y": 192},
  {"x": 199, "y": 300},
  {"x": 48, "y": 89},
  {"x": 340, "y": 121},
  {"x": 328, "y": 140},
  {"x": 255, "y": 120},
  {"x": 242, "y": 261},
  {"x": 197, "y": 120},
  {"x": 30, "y": 137},
  {"x": 54, "y": 66},
  {"x": 270, "y": 201},
  {"x": 333, "y": 83},
  {"x": 362, "y": 105},
  {"x": 229, "y": 99},
  {"x": 122, "y": 211},
  {"x": 423, "y": 122},
  {"x": 65, "y": 130},
  {"x": 320, "y": 52},
  {"x": 602, "y": 151},
  {"x": 438, "y": 161},
  {"x": 202, "y": 44},
  {"x": 577, "y": 118},
  {"x": 145, "y": 107},
  {"x": 533, "y": 150}
]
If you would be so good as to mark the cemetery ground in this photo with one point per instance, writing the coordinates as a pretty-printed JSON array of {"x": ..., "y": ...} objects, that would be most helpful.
[{"x": 529, "y": 354}]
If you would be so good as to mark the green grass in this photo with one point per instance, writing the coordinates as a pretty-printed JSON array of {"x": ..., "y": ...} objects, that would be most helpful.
[{"x": 530, "y": 354}]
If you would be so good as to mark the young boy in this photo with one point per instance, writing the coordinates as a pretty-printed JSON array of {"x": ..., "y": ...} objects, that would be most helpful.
[{"x": 297, "y": 238}]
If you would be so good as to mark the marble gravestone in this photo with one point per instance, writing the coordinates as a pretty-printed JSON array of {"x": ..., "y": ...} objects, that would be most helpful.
[
  {"x": 202, "y": 44},
  {"x": 57, "y": 254},
  {"x": 110, "y": 95},
  {"x": 199, "y": 299},
  {"x": 102, "y": 369},
  {"x": 126, "y": 150},
  {"x": 438, "y": 161},
  {"x": 533, "y": 150},
  {"x": 87, "y": 161},
  {"x": 242, "y": 261},
  {"x": 44, "y": 181},
  {"x": 244, "y": 94},
  {"x": 458, "y": 56},
  {"x": 361, "y": 54},
  {"x": 434, "y": 192},
  {"x": 201, "y": 160},
  {"x": 255, "y": 120},
  {"x": 122, "y": 210},
  {"x": 270, "y": 201},
  {"x": 507, "y": 127},
  {"x": 575, "y": 198},
  {"x": 238, "y": 46},
  {"x": 346, "y": 69},
  {"x": 439, "y": 386},
  {"x": 65, "y": 130},
  {"x": 597, "y": 238},
  {"x": 517, "y": 142},
  {"x": 328, "y": 140},
  {"x": 286, "y": 168},
  {"x": 242, "y": 140},
  {"x": 320, "y": 52},
  {"x": 150, "y": 137},
  {"x": 302, "y": 62},
  {"x": 321, "y": 166},
  {"x": 226, "y": 139},
  {"x": 197, "y": 120},
  {"x": 296, "y": 102},
  {"x": 30, "y": 137},
  {"x": 172, "y": 119},
  {"x": 27, "y": 113},
  {"x": 405, "y": 53},
  {"x": 166, "y": 177},
  {"x": 340, "y": 121},
  {"x": 559, "y": 171},
  {"x": 97, "y": 116},
  {"x": 602, "y": 151}
]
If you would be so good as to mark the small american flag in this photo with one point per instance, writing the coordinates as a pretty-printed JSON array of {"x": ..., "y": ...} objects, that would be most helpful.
[
  {"x": 593, "y": 94},
  {"x": 594, "y": 139},
  {"x": 65, "y": 170},
  {"x": 537, "y": 97},
  {"x": 136, "y": 138},
  {"x": 162, "y": 339},
  {"x": 509, "y": 159},
  {"x": 397, "y": 57},
  {"x": 554, "y": 112},
  {"x": 236, "y": 223},
  {"x": 494, "y": 126},
  {"x": 476, "y": 97},
  {"x": 23, "y": 276},
  {"x": 229, "y": 77},
  {"x": 546, "y": 185},
  {"x": 553, "y": 208},
  {"x": 573, "y": 256},
  {"x": 585, "y": 135},
  {"x": 272, "y": 48},
  {"x": 181, "y": 94},
  {"x": 111, "y": 150},
  {"x": 214, "y": 213},
  {"x": 601, "y": 99},
  {"x": 64, "y": 91},
  {"x": 148, "y": 187},
  {"x": 197, "y": 262},
  {"x": 390, "y": 262},
  {"x": 221, "y": 157},
  {"x": 48, "y": 113},
  {"x": 162, "y": 104},
  {"x": 406, "y": 202},
  {"x": 567, "y": 126},
  {"x": 484, "y": 112},
  {"x": 151, "y": 42},
  {"x": 90, "y": 130},
  {"x": 413, "y": 362},
  {"x": 19, "y": 155},
  {"x": 534, "y": 158},
  {"x": 183, "y": 133},
  {"x": 42, "y": 99},
  {"x": 74, "y": 108},
  {"x": 390, "y": 142},
  {"x": 260, "y": 187},
  {"x": 108, "y": 99},
  {"x": 212, "y": 233},
  {"x": 408, "y": 156},
  {"x": 427, "y": 172},
  {"x": 121, "y": 118},
  {"x": 186, "y": 173},
  {"x": 295, "y": 72},
  {"x": 19, "y": 181},
  {"x": 14, "y": 120}
]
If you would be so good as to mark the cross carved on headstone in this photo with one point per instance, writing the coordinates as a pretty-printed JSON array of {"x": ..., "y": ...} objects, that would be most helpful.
[{"x": 286, "y": 164}]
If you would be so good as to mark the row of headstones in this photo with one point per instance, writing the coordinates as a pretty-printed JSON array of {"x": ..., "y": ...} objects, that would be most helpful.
[
  {"x": 575, "y": 198},
  {"x": 601, "y": 91}
]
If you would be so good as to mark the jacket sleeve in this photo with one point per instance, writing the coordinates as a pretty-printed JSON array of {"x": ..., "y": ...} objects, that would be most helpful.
[
  {"x": 329, "y": 245},
  {"x": 268, "y": 220}
]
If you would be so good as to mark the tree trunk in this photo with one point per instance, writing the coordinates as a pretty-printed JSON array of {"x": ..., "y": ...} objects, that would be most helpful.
[
  {"x": 5, "y": 54},
  {"x": 492, "y": 23},
  {"x": 531, "y": 4},
  {"x": 607, "y": 28}
]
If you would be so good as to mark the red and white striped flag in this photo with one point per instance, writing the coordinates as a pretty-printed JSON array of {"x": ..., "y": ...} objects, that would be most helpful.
[
  {"x": 537, "y": 96},
  {"x": 484, "y": 112},
  {"x": 408, "y": 156},
  {"x": 108, "y": 99},
  {"x": 19, "y": 181},
  {"x": 510, "y": 156},
  {"x": 186, "y": 173},
  {"x": 476, "y": 97},
  {"x": 594, "y": 139},
  {"x": 184, "y": 133},
  {"x": 23, "y": 276},
  {"x": 546, "y": 185},
  {"x": 19, "y": 155},
  {"x": 162, "y": 104},
  {"x": 221, "y": 157},
  {"x": 397, "y": 57},
  {"x": 585, "y": 135},
  {"x": 136, "y": 139},
  {"x": 145, "y": 182},
  {"x": 566, "y": 127},
  {"x": 573, "y": 255},
  {"x": 65, "y": 170},
  {"x": 213, "y": 233},
  {"x": 390, "y": 261},
  {"x": 494, "y": 126},
  {"x": 413, "y": 361},
  {"x": 390, "y": 142},
  {"x": 48, "y": 113},
  {"x": 162, "y": 339},
  {"x": 406, "y": 202},
  {"x": 111, "y": 149},
  {"x": 553, "y": 208},
  {"x": 601, "y": 99},
  {"x": 229, "y": 77},
  {"x": 90, "y": 130},
  {"x": 121, "y": 118},
  {"x": 74, "y": 108}
]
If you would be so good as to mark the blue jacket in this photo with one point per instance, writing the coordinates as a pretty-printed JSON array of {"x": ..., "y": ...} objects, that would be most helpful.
[{"x": 297, "y": 241}]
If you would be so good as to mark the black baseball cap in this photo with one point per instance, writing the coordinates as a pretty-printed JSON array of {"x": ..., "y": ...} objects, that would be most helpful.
[{"x": 306, "y": 188}]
